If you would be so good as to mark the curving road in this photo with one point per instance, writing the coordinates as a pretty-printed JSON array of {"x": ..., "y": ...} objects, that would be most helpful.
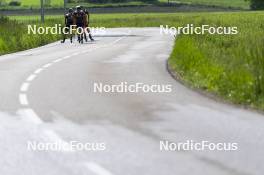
[{"x": 47, "y": 96}]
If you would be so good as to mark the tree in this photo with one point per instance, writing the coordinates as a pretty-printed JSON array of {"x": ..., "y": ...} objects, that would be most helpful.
[{"x": 257, "y": 4}]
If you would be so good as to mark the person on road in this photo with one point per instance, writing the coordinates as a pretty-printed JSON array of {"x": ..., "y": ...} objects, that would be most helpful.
[
  {"x": 87, "y": 25},
  {"x": 79, "y": 20},
  {"x": 68, "y": 22}
]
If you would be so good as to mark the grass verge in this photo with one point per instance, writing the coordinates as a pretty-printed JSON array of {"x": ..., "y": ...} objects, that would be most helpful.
[
  {"x": 229, "y": 66},
  {"x": 14, "y": 37}
]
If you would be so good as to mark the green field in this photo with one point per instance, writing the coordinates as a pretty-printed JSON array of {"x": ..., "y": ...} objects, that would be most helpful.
[
  {"x": 25, "y": 4},
  {"x": 221, "y": 3},
  {"x": 33, "y": 3},
  {"x": 230, "y": 66}
]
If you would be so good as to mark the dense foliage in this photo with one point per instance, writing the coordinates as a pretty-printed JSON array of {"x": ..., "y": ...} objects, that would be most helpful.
[{"x": 257, "y": 4}]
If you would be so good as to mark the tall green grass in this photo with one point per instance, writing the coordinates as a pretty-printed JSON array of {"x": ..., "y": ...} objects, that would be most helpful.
[
  {"x": 14, "y": 36},
  {"x": 229, "y": 66}
]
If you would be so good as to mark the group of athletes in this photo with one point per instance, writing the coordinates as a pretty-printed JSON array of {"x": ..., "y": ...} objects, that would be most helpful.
[{"x": 79, "y": 18}]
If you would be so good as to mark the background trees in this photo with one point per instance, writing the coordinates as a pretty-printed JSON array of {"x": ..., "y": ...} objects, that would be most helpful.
[{"x": 257, "y": 4}]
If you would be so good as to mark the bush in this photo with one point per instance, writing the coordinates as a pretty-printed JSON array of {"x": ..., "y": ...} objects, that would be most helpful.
[
  {"x": 14, "y": 3},
  {"x": 257, "y": 4},
  {"x": 3, "y": 19}
]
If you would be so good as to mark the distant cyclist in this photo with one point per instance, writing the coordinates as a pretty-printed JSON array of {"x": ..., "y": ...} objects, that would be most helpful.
[
  {"x": 87, "y": 25},
  {"x": 68, "y": 22},
  {"x": 79, "y": 21}
]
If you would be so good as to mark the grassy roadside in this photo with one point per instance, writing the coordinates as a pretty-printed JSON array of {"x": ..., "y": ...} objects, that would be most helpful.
[
  {"x": 231, "y": 66},
  {"x": 14, "y": 37}
]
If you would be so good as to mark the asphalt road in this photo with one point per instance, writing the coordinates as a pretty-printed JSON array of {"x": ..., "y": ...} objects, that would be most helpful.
[{"x": 47, "y": 96}]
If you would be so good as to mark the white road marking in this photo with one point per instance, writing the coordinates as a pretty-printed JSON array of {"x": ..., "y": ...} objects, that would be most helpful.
[
  {"x": 31, "y": 77},
  {"x": 24, "y": 87},
  {"x": 47, "y": 65},
  {"x": 66, "y": 57},
  {"x": 58, "y": 60},
  {"x": 23, "y": 99},
  {"x": 97, "y": 169},
  {"x": 30, "y": 116},
  {"x": 38, "y": 71},
  {"x": 117, "y": 40}
]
